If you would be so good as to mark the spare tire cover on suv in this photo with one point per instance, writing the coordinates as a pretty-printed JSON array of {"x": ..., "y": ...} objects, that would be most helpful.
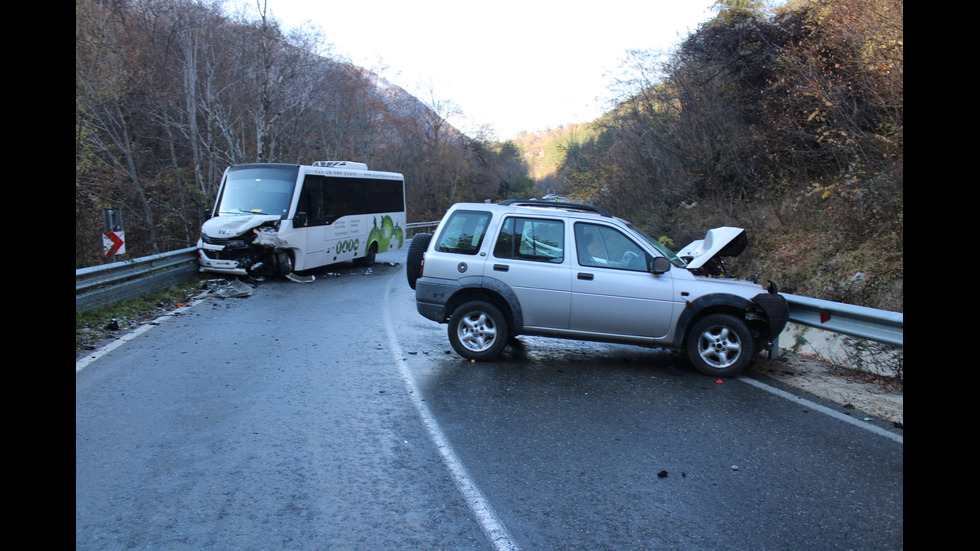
[{"x": 416, "y": 250}]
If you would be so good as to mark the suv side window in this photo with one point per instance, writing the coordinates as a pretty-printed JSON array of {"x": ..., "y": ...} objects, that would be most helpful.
[
  {"x": 531, "y": 239},
  {"x": 605, "y": 247},
  {"x": 464, "y": 232}
]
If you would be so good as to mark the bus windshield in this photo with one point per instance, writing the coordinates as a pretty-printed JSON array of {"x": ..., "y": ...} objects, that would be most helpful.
[{"x": 258, "y": 190}]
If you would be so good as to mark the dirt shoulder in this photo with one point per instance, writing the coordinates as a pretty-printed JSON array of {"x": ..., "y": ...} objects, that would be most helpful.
[{"x": 879, "y": 397}]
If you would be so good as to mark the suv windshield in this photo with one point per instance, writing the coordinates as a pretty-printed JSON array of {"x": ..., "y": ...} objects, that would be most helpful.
[
  {"x": 258, "y": 190},
  {"x": 673, "y": 258}
]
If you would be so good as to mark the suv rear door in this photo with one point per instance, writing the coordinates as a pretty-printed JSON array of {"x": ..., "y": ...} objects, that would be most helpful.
[
  {"x": 530, "y": 257},
  {"x": 612, "y": 289}
]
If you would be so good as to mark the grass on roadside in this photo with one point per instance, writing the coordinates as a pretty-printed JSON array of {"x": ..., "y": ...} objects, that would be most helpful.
[{"x": 106, "y": 322}]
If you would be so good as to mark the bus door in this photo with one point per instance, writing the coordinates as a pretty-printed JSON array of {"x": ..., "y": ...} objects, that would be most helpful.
[{"x": 313, "y": 236}]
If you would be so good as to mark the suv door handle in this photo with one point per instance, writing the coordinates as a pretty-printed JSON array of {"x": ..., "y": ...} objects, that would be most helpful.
[
  {"x": 500, "y": 267},
  {"x": 583, "y": 275}
]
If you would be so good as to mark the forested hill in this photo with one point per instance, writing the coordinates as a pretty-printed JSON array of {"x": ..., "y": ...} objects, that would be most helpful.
[
  {"x": 789, "y": 124},
  {"x": 170, "y": 92}
]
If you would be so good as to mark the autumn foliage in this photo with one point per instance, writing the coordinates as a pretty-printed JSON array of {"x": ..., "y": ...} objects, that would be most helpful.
[
  {"x": 789, "y": 124},
  {"x": 168, "y": 93}
]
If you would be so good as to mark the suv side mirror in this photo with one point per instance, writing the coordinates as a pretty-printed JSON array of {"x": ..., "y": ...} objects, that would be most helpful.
[{"x": 660, "y": 265}]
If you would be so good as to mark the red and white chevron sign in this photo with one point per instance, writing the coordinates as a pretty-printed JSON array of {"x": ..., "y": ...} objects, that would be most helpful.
[{"x": 114, "y": 242}]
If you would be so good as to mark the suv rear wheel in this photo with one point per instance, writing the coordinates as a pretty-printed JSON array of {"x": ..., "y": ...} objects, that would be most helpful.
[
  {"x": 720, "y": 345},
  {"x": 478, "y": 331}
]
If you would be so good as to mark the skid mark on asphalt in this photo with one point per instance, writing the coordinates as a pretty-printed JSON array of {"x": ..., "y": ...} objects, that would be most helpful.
[{"x": 478, "y": 503}]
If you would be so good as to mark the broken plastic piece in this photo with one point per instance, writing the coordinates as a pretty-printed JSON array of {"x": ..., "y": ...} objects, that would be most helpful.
[{"x": 300, "y": 279}]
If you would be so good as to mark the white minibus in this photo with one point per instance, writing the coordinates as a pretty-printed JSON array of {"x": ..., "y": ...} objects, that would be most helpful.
[{"x": 281, "y": 218}]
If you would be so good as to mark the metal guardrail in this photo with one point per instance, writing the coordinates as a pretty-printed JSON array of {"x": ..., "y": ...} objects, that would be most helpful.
[
  {"x": 112, "y": 283},
  {"x": 415, "y": 227},
  {"x": 109, "y": 284},
  {"x": 857, "y": 321}
]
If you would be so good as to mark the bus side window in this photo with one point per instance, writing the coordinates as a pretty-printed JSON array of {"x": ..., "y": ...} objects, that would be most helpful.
[
  {"x": 311, "y": 201},
  {"x": 327, "y": 198}
]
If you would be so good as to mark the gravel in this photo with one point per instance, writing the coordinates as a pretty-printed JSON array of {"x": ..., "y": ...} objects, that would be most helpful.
[{"x": 876, "y": 396}]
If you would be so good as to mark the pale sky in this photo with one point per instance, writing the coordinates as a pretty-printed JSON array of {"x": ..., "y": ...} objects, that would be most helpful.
[{"x": 513, "y": 65}]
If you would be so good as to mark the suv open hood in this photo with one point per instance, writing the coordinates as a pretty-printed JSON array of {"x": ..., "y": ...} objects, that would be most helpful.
[
  {"x": 723, "y": 241},
  {"x": 228, "y": 226}
]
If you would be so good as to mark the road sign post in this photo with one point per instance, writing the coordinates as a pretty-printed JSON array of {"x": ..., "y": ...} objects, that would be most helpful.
[{"x": 113, "y": 238}]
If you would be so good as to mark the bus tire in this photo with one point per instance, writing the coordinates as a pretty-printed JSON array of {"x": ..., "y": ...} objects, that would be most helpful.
[
  {"x": 416, "y": 250},
  {"x": 368, "y": 259},
  {"x": 284, "y": 262}
]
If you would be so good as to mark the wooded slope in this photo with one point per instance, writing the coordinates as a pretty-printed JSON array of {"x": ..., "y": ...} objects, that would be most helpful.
[
  {"x": 789, "y": 124},
  {"x": 168, "y": 93}
]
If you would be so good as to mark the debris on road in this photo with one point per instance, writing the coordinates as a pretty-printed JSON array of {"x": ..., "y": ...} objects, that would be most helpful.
[{"x": 223, "y": 288}]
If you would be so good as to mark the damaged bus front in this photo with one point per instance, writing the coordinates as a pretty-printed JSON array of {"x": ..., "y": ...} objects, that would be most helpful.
[{"x": 279, "y": 218}]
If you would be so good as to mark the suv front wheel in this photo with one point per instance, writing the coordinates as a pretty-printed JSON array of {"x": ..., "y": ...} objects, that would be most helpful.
[
  {"x": 478, "y": 331},
  {"x": 720, "y": 345}
]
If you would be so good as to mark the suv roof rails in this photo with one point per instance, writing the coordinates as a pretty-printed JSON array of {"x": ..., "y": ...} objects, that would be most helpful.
[{"x": 553, "y": 204}]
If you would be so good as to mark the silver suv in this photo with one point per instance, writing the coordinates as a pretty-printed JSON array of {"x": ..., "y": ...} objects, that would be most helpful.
[{"x": 495, "y": 271}]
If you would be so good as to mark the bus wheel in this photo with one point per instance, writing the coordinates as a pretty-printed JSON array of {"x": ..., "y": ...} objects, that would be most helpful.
[
  {"x": 368, "y": 259},
  {"x": 284, "y": 263}
]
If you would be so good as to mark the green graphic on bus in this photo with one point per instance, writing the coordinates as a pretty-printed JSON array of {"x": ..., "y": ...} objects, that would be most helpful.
[{"x": 387, "y": 235}]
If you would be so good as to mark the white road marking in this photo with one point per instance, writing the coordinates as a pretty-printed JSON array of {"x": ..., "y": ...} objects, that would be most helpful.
[
  {"x": 84, "y": 361},
  {"x": 484, "y": 513},
  {"x": 823, "y": 409},
  {"x": 478, "y": 503}
]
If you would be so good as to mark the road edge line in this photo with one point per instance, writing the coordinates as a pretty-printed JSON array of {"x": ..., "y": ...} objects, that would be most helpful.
[
  {"x": 823, "y": 409},
  {"x": 84, "y": 361},
  {"x": 477, "y": 502}
]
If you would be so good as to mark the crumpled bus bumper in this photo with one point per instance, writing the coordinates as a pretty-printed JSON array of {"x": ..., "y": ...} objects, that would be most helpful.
[{"x": 210, "y": 261}]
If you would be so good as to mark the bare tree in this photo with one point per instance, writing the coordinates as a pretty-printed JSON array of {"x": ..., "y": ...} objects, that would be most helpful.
[{"x": 108, "y": 83}]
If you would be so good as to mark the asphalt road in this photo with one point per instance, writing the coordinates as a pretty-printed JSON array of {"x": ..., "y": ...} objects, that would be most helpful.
[{"x": 332, "y": 416}]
